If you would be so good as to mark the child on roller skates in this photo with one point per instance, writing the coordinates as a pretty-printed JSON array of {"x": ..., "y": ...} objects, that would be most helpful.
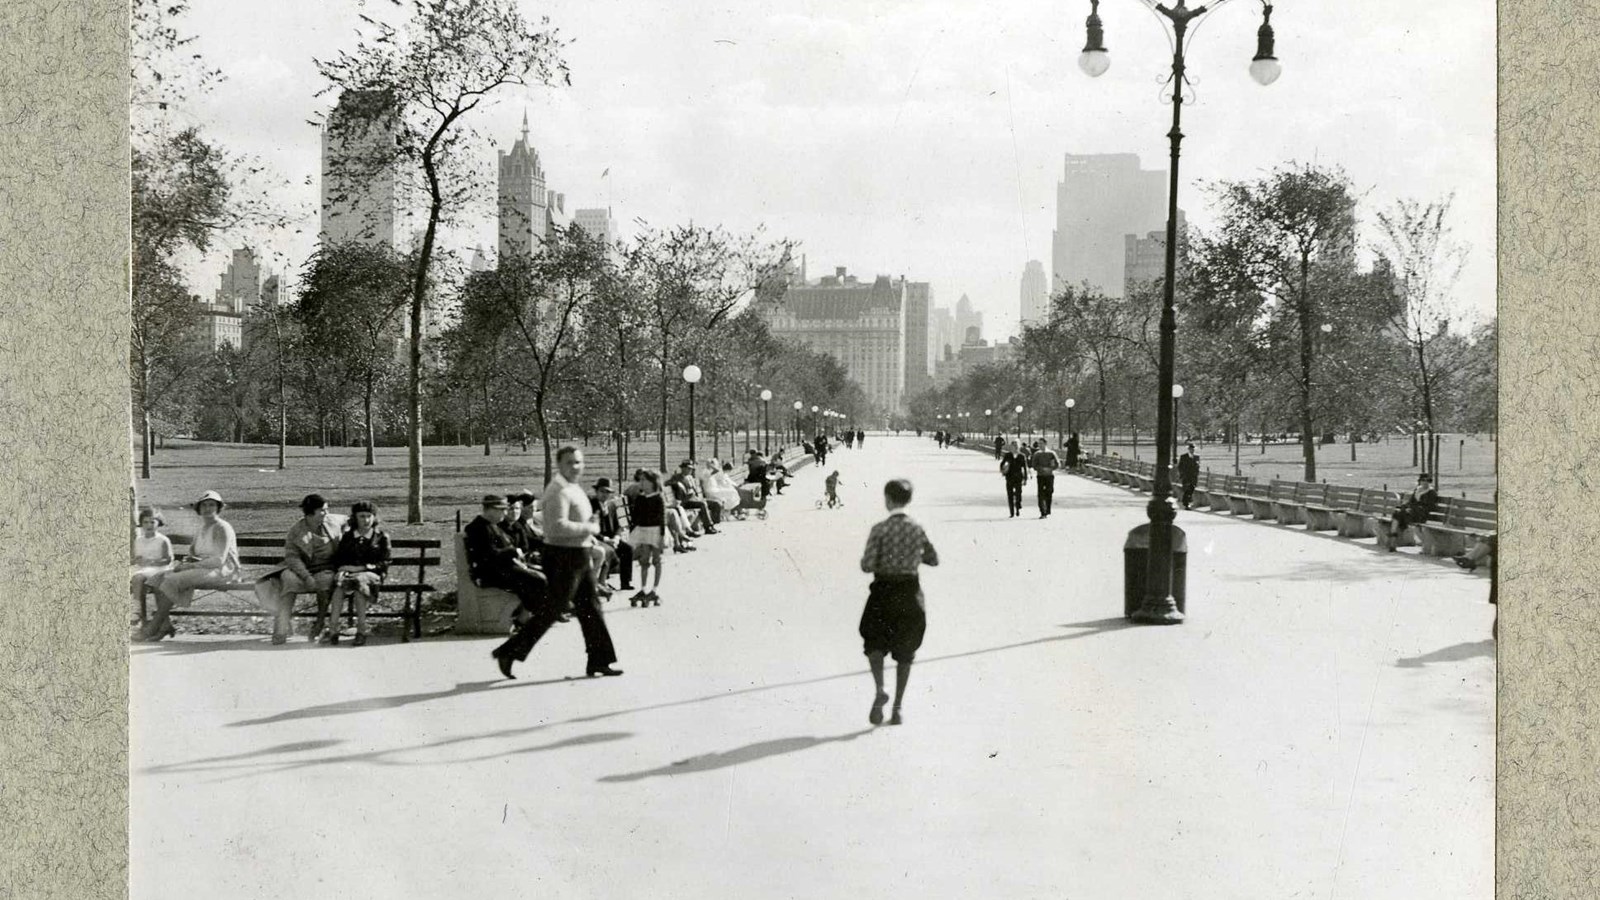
[
  {"x": 895, "y": 616},
  {"x": 830, "y": 487}
]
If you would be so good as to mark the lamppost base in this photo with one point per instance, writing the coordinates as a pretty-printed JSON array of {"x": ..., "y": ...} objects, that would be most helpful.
[{"x": 1158, "y": 612}]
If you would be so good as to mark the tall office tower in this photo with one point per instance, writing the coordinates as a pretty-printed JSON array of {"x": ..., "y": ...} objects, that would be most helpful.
[
  {"x": 1145, "y": 258},
  {"x": 240, "y": 286},
  {"x": 861, "y": 325},
  {"x": 524, "y": 200},
  {"x": 366, "y": 196},
  {"x": 967, "y": 317},
  {"x": 919, "y": 371},
  {"x": 1101, "y": 198},
  {"x": 942, "y": 338},
  {"x": 1035, "y": 295},
  {"x": 597, "y": 223}
]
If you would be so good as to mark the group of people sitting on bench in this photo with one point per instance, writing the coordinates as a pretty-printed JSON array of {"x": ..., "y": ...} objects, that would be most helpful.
[{"x": 336, "y": 557}]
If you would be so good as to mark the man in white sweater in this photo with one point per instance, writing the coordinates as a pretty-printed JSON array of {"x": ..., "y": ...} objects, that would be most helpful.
[{"x": 570, "y": 527}]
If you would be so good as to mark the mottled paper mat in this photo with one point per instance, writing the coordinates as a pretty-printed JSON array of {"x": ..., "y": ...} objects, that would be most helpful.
[{"x": 64, "y": 464}]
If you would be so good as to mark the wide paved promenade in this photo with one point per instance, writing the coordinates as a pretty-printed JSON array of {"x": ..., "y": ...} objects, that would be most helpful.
[{"x": 1321, "y": 727}]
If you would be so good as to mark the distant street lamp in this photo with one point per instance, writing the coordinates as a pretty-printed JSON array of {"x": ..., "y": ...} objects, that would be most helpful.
[
  {"x": 691, "y": 374},
  {"x": 816, "y": 426},
  {"x": 1177, "y": 394},
  {"x": 797, "y": 407},
  {"x": 1159, "y": 606},
  {"x": 1070, "y": 404},
  {"x": 766, "y": 422}
]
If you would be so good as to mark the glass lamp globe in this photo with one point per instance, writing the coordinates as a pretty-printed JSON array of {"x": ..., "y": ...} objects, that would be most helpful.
[
  {"x": 1071, "y": 403},
  {"x": 1264, "y": 71},
  {"x": 691, "y": 374},
  {"x": 1177, "y": 391},
  {"x": 1094, "y": 63},
  {"x": 765, "y": 396},
  {"x": 1019, "y": 409}
]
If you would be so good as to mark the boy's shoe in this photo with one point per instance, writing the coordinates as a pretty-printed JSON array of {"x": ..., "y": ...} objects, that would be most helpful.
[
  {"x": 359, "y": 640},
  {"x": 875, "y": 715},
  {"x": 894, "y": 717}
]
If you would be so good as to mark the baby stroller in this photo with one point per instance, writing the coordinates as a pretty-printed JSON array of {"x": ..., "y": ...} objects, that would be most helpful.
[{"x": 751, "y": 499}]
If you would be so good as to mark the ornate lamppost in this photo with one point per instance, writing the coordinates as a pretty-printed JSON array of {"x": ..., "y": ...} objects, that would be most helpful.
[
  {"x": 1159, "y": 606},
  {"x": 1019, "y": 421}
]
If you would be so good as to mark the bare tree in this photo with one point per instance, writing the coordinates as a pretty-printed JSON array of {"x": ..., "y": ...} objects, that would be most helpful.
[
  {"x": 1426, "y": 263},
  {"x": 404, "y": 94}
]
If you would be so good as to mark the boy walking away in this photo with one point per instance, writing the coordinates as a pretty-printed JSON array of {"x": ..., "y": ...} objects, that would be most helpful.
[
  {"x": 893, "y": 622},
  {"x": 1045, "y": 463}
]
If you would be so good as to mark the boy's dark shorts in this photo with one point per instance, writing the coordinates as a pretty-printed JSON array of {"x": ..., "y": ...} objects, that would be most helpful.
[{"x": 894, "y": 621}]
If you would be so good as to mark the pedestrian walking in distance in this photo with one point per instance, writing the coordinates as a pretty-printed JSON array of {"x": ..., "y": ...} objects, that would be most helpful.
[
  {"x": 895, "y": 617},
  {"x": 1014, "y": 467},
  {"x": 1189, "y": 473},
  {"x": 1045, "y": 463}
]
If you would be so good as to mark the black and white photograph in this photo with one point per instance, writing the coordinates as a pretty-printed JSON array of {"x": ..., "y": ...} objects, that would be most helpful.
[{"x": 1072, "y": 428}]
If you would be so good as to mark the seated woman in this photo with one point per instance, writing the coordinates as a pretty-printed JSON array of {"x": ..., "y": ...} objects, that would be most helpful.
[
  {"x": 152, "y": 554},
  {"x": 718, "y": 486},
  {"x": 213, "y": 562},
  {"x": 362, "y": 560}
]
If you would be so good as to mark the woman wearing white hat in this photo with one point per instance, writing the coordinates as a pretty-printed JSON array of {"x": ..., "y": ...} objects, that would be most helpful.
[{"x": 213, "y": 562}]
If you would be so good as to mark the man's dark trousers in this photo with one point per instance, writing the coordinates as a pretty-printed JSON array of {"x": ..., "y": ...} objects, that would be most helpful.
[
  {"x": 571, "y": 579},
  {"x": 1047, "y": 492},
  {"x": 1014, "y": 496}
]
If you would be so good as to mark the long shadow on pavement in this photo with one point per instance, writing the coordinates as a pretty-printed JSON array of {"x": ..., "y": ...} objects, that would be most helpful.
[
  {"x": 1452, "y": 653},
  {"x": 710, "y": 762},
  {"x": 385, "y": 757},
  {"x": 346, "y": 707}
]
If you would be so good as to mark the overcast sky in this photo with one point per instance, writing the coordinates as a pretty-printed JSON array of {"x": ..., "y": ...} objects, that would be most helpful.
[{"x": 916, "y": 137}]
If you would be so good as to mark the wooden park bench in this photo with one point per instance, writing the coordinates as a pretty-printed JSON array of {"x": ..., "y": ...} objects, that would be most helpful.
[
  {"x": 1371, "y": 511},
  {"x": 1220, "y": 488},
  {"x": 1292, "y": 511},
  {"x": 1203, "y": 489},
  {"x": 1265, "y": 506},
  {"x": 1243, "y": 493},
  {"x": 406, "y": 553},
  {"x": 1448, "y": 531},
  {"x": 1144, "y": 476},
  {"x": 1323, "y": 515}
]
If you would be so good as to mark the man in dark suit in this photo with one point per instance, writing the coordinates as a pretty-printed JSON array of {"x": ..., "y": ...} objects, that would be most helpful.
[
  {"x": 612, "y": 538},
  {"x": 493, "y": 559},
  {"x": 1189, "y": 474},
  {"x": 1414, "y": 507}
]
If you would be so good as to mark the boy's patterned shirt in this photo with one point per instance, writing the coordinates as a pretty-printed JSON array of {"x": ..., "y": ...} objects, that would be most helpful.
[{"x": 896, "y": 546}]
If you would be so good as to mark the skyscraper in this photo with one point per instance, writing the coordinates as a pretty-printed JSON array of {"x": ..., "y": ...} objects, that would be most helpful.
[
  {"x": 366, "y": 196},
  {"x": 919, "y": 374},
  {"x": 1035, "y": 295},
  {"x": 524, "y": 200},
  {"x": 967, "y": 317},
  {"x": 1101, "y": 198}
]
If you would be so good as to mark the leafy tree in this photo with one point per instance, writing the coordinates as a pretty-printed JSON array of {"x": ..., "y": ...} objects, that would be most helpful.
[
  {"x": 1275, "y": 230},
  {"x": 351, "y": 297},
  {"x": 693, "y": 280},
  {"x": 416, "y": 84}
]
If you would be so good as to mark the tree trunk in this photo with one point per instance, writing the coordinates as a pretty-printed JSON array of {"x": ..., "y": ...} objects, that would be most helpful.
[
  {"x": 366, "y": 412},
  {"x": 1308, "y": 446},
  {"x": 544, "y": 436},
  {"x": 1105, "y": 432},
  {"x": 488, "y": 432},
  {"x": 661, "y": 436}
]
